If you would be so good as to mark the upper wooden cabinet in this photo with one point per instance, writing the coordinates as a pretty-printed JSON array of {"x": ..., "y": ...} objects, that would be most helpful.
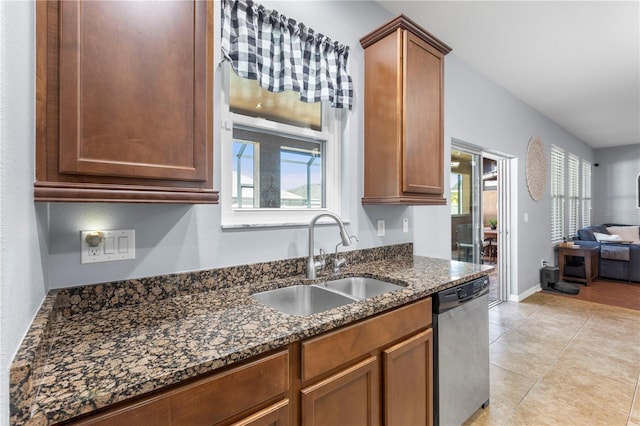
[
  {"x": 124, "y": 109},
  {"x": 403, "y": 138}
]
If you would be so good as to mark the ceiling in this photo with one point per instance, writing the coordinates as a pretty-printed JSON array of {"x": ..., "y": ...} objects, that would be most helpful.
[{"x": 577, "y": 62}]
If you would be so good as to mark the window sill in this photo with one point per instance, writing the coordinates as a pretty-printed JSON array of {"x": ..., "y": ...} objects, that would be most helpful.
[{"x": 297, "y": 224}]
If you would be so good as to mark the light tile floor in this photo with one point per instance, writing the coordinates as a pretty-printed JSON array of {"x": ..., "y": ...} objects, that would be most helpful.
[{"x": 558, "y": 361}]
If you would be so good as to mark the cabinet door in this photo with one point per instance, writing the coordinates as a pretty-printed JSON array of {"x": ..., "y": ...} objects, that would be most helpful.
[
  {"x": 350, "y": 397},
  {"x": 408, "y": 381},
  {"x": 274, "y": 415},
  {"x": 422, "y": 155},
  {"x": 124, "y": 108}
]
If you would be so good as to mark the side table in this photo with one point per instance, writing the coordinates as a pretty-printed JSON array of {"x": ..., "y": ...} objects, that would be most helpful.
[{"x": 590, "y": 256}]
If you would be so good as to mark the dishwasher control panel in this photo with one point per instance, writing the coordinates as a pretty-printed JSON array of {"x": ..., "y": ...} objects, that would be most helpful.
[{"x": 454, "y": 296}]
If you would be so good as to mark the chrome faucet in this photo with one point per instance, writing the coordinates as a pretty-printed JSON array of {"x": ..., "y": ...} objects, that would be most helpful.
[{"x": 312, "y": 265}]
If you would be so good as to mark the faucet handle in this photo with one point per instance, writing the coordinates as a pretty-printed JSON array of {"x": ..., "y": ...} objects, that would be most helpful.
[{"x": 338, "y": 262}]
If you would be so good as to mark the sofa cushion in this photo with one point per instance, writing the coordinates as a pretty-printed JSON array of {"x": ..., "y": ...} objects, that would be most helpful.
[
  {"x": 607, "y": 237},
  {"x": 586, "y": 233},
  {"x": 627, "y": 233}
]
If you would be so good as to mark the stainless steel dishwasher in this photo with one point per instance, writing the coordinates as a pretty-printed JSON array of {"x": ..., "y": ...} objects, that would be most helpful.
[{"x": 461, "y": 352}]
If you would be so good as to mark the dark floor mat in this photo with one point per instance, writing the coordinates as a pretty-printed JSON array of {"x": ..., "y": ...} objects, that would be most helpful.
[{"x": 564, "y": 287}]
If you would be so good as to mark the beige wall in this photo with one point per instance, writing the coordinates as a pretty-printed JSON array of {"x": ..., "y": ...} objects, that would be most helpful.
[{"x": 489, "y": 206}]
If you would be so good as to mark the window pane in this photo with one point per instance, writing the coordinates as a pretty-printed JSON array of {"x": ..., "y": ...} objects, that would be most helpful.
[
  {"x": 243, "y": 174},
  {"x": 274, "y": 170},
  {"x": 248, "y": 98},
  {"x": 301, "y": 177}
]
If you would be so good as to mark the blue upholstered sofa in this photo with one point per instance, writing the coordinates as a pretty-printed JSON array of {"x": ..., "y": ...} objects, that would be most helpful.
[{"x": 617, "y": 261}]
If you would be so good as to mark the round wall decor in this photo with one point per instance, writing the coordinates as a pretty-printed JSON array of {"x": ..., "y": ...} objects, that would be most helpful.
[{"x": 536, "y": 168}]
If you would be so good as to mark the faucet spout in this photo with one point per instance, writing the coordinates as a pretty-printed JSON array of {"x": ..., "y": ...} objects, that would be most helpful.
[{"x": 312, "y": 265}]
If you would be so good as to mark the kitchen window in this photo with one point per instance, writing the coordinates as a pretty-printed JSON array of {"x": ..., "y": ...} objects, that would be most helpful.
[
  {"x": 280, "y": 156},
  {"x": 285, "y": 88}
]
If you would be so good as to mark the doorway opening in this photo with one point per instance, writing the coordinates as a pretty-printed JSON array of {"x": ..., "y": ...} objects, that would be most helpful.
[{"x": 480, "y": 213}]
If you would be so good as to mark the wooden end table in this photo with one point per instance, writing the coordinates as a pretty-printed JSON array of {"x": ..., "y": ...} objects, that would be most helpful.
[{"x": 590, "y": 256}]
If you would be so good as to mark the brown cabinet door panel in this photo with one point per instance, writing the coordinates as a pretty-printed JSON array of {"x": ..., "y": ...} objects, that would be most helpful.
[
  {"x": 350, "y": 397},
  {"x": 408, "y": 381},
  {"x": 128, "y": 89},
  {"x": 422, "y": 142},
  {"x": 124, "y": 107}
]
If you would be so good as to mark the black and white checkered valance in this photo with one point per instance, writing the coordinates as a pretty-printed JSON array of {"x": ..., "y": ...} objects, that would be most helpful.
[{"x": 281, "y": 54}]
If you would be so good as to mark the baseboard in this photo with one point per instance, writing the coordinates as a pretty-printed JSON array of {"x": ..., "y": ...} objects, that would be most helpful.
[{"x": 520, "y": 297}]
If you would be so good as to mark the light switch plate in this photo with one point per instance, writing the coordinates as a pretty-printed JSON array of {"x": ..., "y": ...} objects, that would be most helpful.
[
  {"x": 405, "y": 225},
  {"x": 116, "y": 244},
  {"x": 380, "y": 227}
]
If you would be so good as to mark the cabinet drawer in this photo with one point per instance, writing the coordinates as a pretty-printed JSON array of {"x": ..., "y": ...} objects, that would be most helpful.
[
  {"x": 152, "y": 411},
  {"x": 336, "y": 348},
  {"x": 274, "y": 415},
  {"x": 208, "y": 400},
  {"x": 215, "y": 399}
]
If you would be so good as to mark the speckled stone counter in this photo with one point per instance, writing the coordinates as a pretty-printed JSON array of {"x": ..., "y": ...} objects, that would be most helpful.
[{"x": 93, "y": 346}]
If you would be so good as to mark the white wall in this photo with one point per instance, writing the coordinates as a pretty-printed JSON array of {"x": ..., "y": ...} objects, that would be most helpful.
[
  {"x": 479, "y": 112},
  {"x": 614, "y": 185},
  {"x": 22, "y": 236}
]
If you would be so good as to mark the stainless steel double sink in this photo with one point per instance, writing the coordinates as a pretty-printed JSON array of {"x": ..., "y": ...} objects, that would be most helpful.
[{"x": 312, "y": 299}]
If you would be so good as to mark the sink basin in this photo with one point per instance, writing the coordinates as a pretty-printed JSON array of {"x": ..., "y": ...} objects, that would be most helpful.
[
  {"x": 302, "y": 299},
  {"x": 360, "y": 287}
]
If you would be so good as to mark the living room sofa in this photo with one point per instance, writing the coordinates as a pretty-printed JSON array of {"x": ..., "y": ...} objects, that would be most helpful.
[{"x": 618, "y": 260}]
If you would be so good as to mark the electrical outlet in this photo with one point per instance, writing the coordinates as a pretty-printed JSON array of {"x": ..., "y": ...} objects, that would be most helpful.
[
  {"x": 543, "y": 263},
  {"x": 109, "y": 246},
  {"x": 93, "y": 251},
  {"x": 380, "y": 227},
  {"x": 405, "y": 225}
]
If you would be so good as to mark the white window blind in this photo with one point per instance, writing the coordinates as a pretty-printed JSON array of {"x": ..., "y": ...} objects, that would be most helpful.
[
  {"x": 586, "y": 193},
  {"x": 557, "y": 194},
  {"x": 574, "y": 194}
]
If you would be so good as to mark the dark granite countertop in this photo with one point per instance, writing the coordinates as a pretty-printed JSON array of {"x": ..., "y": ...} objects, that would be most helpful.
[{"x": 100, "y": 356}]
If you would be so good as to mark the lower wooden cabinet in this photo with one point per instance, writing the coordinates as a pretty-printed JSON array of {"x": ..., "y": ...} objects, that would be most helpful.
[
  {"x": 408, "y": 381},
  {"x": 376, "y": 371},
  {"x": 350, "y": 397}
]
